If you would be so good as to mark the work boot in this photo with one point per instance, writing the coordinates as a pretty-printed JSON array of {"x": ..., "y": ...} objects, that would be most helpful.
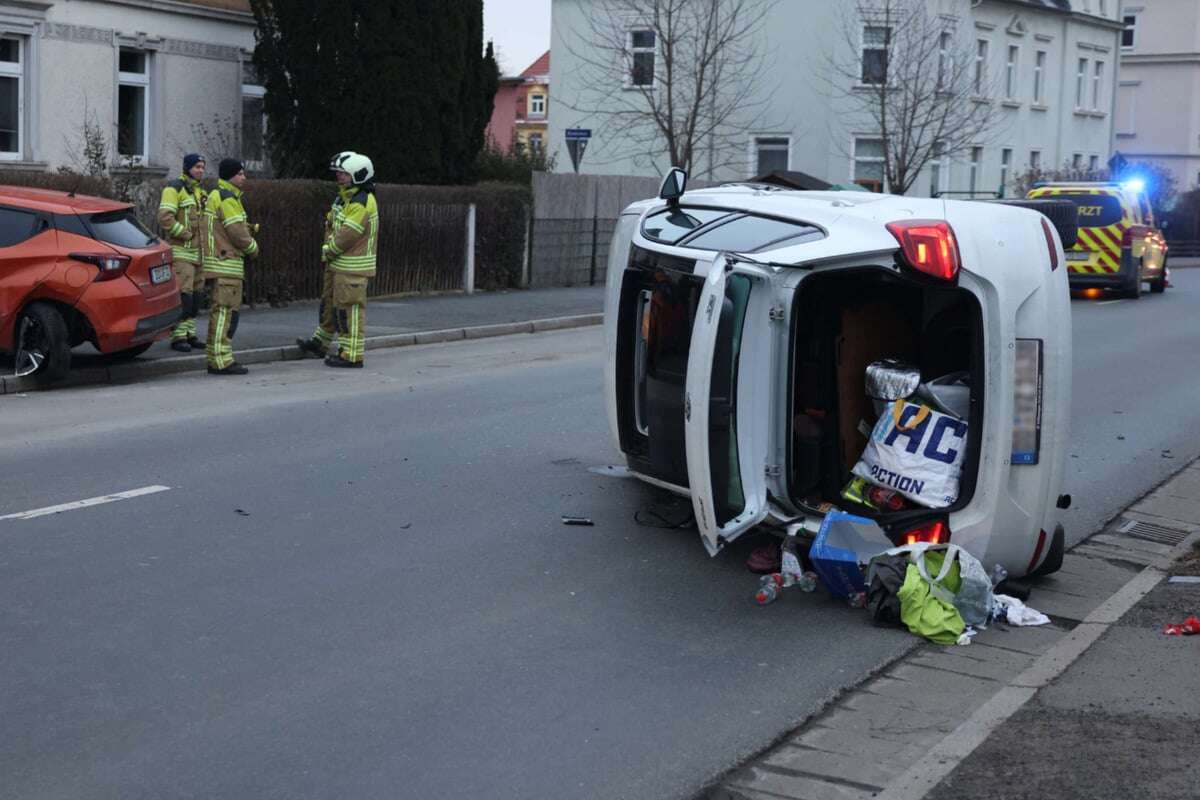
[
  {"x": 233, "y": 369},
  {"x": 195, "y": 343},
  {"x": 311, "y": 348},
  {"x": 338, "y": 361},
  {"x": 181, "y": 345}
]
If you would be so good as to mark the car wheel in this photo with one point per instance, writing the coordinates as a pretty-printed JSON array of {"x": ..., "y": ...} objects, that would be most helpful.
[
  {"x": 42, "y": 344},
  {"x": 1134, "y": 290},
  {"x": 1159, "y": 284},
  {"x": 131, "y": 353}
]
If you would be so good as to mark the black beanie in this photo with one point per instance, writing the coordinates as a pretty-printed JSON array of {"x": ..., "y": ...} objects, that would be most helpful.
[
  {"x": 191, "y": 160},
  {"x": 228, "y": 168}
]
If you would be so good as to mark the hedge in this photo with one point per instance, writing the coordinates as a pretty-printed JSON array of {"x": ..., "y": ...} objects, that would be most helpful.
[{"x": 422, "y": 238}]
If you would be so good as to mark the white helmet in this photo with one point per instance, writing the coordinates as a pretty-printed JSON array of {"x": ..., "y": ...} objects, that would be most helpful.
[{"x": 358, "y": 166}]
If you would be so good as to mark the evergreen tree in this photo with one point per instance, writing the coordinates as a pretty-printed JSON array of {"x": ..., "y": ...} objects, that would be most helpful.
[{"x": 403, "y": 81}]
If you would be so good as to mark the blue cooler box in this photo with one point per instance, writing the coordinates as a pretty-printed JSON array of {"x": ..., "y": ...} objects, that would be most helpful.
[{"x": 843, "y": 542}]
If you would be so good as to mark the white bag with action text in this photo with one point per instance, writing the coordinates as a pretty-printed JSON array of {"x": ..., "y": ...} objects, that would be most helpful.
[{"x": 918, "y": 452}]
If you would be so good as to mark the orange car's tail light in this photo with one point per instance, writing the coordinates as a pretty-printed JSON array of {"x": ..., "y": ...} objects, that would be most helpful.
[{"x": 111, "y": 266}]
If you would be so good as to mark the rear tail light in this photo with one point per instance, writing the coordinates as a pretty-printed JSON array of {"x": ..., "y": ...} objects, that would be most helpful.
[
  {"x": 1050, "y": 245},
  {"x": 1037, "y": 552},
  {"x": 928, "y": 246},
  {"x": 110, "y": 266},
  {"x": 936, "y": 532}
]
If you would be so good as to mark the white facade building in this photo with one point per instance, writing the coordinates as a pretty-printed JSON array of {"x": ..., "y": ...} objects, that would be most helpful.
[
  {"x": 1158, "y": 96},
  {"x": 1053, "y": 63},
  {"x": 147, "y": 74}
]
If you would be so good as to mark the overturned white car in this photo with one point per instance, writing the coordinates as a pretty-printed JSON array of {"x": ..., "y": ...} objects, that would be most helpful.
[{"x": 741, "y": 323}]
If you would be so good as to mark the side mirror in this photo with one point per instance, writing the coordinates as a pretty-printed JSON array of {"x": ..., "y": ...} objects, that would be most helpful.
[{"x": 673, "y": 185}]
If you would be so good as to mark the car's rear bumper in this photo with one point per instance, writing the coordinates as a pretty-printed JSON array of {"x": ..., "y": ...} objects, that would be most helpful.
[{"x": 123, "y": 317}]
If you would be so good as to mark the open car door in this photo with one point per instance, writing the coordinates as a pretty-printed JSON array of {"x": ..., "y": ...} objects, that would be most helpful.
[{"x": 728, "y": 400}]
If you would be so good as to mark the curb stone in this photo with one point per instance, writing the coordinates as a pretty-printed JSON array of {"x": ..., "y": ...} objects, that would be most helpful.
[{"x": 137, "y": 370}]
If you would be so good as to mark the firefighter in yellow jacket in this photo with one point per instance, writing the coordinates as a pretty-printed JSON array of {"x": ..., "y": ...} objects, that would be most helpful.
[
  {"x": 230, "y": 243},
  {"x": 181, "y": 217},
  {"x": 317, "y": 345},
  {"x": 351, "y": 239}
]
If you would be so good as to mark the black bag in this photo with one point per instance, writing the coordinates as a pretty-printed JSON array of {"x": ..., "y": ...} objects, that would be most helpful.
[{"x": 887, "y": 576}]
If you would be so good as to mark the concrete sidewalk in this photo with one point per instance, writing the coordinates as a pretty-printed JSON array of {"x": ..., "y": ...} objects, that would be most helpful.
[
  {"x": 269, "y": 334},
  {"x": 1098, "y": 704}
]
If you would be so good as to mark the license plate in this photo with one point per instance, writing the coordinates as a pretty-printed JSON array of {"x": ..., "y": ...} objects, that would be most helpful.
[
  {"x": 1079, "y": 256},
  {"x": 160, "y": 274}
]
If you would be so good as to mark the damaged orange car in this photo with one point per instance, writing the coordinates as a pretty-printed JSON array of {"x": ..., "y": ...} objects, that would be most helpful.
[{"x": 77, "y": 269}]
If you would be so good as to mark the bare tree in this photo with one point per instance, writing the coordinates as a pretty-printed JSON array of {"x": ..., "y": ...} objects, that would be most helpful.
[
  {"x": 674, "y": 79},
  {"x": 901, "y": 70}
]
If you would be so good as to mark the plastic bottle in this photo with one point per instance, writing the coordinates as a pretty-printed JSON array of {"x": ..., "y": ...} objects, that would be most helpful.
[
  {"x": 807, "y": 581},
  {"x": 857, "y": 600},
  {"x": 770, "y": 587}
]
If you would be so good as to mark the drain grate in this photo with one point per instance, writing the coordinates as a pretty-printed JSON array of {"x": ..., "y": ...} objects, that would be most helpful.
[{"x": 1151, "y": 532}]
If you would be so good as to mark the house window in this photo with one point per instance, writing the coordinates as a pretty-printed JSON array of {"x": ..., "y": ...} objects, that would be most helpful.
[
  {"x": 1039, "y": 73},
  {"x": 1093, "y": 163},
  {"x": 1126, "y": 110},
  {"x": 875, "y": 41},
  {"x": 1035, "y": 160},
  {"x": 133, "y": 103},
  {"x": 641, "y": 58},
  {"x": 537, "y": 105},
  {"x": 945, "y": 59},
  {"x": 937, "y": 171},
  {"x": 1080, "y": 81},
  {"x": 772, "y": 154},
  {"x": 1129, "y": 33},
  {"x": 12, "y": 105},
  {"x": 869, "y": 163},
  {"x": 973, "y": 168},
  {"x": 981, "y": 54},
  {"x": 1097, "y": 80},
  {"x": 535, "y": 143},
  {"x": 254, "y": 119},
  {"x": 1010, "y": 72},
  {"x": 1005, "y": 166},
  {"x": 1077, "y": 161}
]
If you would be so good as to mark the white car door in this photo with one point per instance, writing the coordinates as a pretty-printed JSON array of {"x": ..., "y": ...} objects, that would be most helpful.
[{"x": 728, "y": 400}]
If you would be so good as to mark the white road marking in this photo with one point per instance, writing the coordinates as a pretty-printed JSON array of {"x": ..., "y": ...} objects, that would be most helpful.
[
  {"x": 1109, "y": 302},
  {"x": 91, "y": 501}
]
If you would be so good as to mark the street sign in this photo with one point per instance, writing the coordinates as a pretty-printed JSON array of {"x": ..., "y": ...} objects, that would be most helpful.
[
  {"x": 1117, "y": 164},
  {"x": 577, "y": 142}
]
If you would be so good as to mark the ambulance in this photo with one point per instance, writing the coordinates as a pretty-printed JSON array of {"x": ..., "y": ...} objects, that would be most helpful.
[
  {"x": 1119, "y": 247},
  {"x": 739, "y": 320}
]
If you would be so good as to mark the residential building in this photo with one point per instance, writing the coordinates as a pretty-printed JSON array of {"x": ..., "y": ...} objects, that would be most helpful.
[
  {"x": 1049, "y": 66},
  {"x": 1158, "y": 94},
  {"x": 155, "y": 78},
  {"x": 522, "y": 109}
]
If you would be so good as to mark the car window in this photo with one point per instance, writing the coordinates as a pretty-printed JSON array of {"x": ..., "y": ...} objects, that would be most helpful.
[
  {"x": 749, "y": 234},
  {"x": 1095, "y": 210},
  {"x": 15, "y": 226},
  {"x": 71, "y": 223},
  {"x": 672, "y": 224},
  {"x": 121, "y": 228}
]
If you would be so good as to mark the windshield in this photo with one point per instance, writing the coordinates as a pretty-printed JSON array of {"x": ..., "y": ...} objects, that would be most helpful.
[
  {"x": 1095, "y": 210},
  {"x": 121, "y": 228}
]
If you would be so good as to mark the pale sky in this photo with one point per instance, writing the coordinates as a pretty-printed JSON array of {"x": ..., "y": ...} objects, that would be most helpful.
[{"x": 520, "y": 29}]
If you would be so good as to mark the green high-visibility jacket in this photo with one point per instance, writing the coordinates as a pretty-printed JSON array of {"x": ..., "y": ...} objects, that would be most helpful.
[
  {"x": 353, "y": 233},
  {"x": 229, "y": 238},
  {"x": 181, "y": 217}
]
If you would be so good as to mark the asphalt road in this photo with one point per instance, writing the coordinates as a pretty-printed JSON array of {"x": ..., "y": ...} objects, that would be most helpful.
[{"x": 358, "y": 584}]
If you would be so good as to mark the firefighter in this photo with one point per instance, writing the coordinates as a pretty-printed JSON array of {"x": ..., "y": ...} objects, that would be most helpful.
[
  {"x": 181, "y": 217},
  {"x": 231, "y": 241},
  {"x": 317, "y": 346},
  {"x": 349, "y": 251}
]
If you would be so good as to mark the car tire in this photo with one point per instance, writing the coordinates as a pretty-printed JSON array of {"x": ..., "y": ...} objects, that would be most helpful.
[
  {"x": 42, "y": 344},
  {"x": 131, "y": 353},
  {"x": 1134, "y": 290},
  {"x": 1159, "y": 285}
]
